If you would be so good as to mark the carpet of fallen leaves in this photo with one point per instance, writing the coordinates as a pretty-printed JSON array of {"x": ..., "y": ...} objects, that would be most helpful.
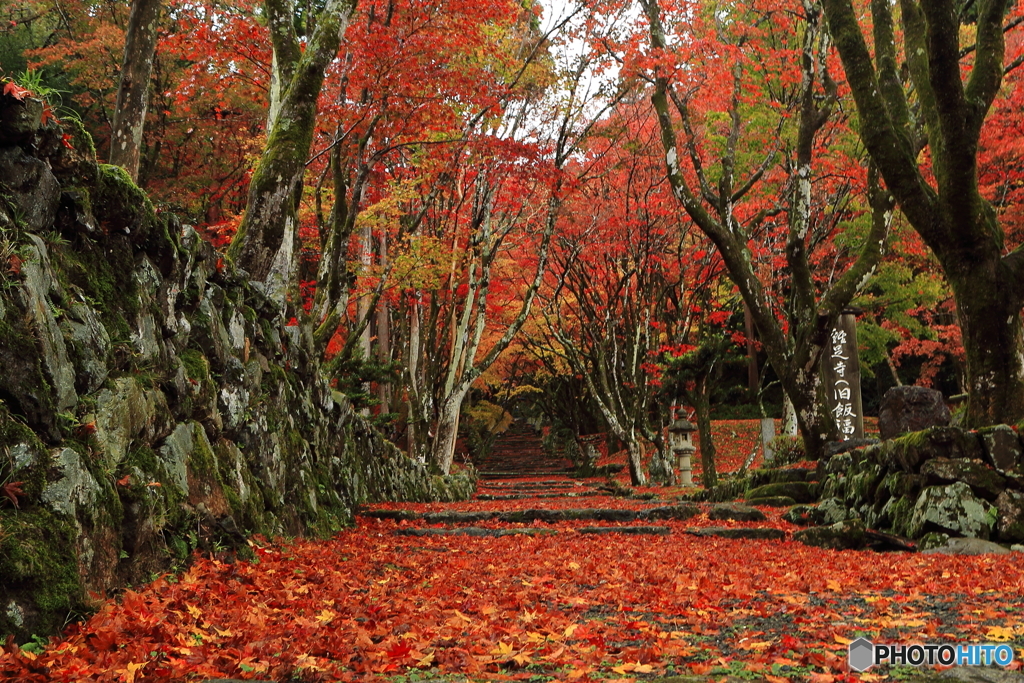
[
  {"x": 370, "y": 604},
  {"x": 568, "y": 606}
]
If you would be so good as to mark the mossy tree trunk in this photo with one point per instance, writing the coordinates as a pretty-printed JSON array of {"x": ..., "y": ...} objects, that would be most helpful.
[
  {"x": 793, "y": 347},
  {"x": 133, "y": 87},
  {"x": 952, "y": 217},
  {"x": 266, "y": 243}
]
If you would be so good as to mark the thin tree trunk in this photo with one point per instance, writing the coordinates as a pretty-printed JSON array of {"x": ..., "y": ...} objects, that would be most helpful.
[
  {"x": 702, "y": 407},
  {"x": 384, "y": 331},
  {"x": 133, "y": 88}
]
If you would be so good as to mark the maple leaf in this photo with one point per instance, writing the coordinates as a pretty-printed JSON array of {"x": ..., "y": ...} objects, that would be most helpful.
[
  {"x": 131, "y": 670},
  {"x": 399, "y": 650},
  {"x": 1000, "y": 634},
  {"x": 16, "y": 91},
  {"x": 12, "y": 490}
]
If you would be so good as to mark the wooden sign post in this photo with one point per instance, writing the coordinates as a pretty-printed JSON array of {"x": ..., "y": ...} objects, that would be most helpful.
[{"x": 840, "y": 373}]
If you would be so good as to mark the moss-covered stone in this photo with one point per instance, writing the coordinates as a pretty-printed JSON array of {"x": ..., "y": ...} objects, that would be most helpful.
[
  {"x": 41, "y": 585},
  {"x": 799, "y": 491},
  {"x": 952, "y": 509},
  {"x": 845, "y": 535}
]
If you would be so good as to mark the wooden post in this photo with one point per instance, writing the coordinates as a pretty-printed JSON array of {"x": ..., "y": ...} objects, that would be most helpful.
[{"x": 840, "y": 372}]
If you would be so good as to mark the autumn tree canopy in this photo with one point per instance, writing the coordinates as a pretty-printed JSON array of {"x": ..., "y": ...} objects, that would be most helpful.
[{"x": 422, "y": 186}]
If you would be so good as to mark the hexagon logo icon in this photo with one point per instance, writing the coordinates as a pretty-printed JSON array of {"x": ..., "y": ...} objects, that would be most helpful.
[{"x": 862, "y": 654}]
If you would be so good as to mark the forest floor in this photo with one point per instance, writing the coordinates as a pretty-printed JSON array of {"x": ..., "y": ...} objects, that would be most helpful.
[{"x": 474, "y": 598}]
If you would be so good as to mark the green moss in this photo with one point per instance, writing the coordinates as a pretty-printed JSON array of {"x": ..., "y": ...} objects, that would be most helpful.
[
  {"x": 900, "y": 513},
  {"x": 38, "y": 569},
  {"x": 195, "y": 364},
  {"x": 122, "y": 206},
  {"x": 80, "y": 138}
]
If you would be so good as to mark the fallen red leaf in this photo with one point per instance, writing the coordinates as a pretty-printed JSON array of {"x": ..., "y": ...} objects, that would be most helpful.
[{"x": 12, "y": 490}]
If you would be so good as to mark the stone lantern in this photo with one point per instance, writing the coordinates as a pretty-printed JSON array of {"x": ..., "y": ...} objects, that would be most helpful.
[{"x": 682, "y": 447}]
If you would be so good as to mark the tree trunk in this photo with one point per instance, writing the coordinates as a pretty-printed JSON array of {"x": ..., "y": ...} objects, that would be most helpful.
[
  {"x": 384, "y": 333},
  {"x": 133, "y": 88},
  {"x": 636, "y": 468},
  {"x": 945, "y": 206},
  {"x": 702, "y": 408},
  {"x": 266, "y": 243},
  {"x": 446, "y": 431},
  {"x": 991, "y": 328}
]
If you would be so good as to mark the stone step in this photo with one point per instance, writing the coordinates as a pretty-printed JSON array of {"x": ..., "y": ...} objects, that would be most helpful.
[
  {"x": 678, "y": 512},
  {"x": 723, "y": 532}
]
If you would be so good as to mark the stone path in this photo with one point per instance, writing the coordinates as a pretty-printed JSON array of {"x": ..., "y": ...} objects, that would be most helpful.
[{"x": 521, "y": 487}]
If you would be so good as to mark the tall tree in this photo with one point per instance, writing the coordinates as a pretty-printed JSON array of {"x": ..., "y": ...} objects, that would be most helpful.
[
  {"x": 793, "y": 340},
  {"x": 266, "y": 243},
  {"x": 953, "y": 88},
  {"x": 133, "y": 88}
]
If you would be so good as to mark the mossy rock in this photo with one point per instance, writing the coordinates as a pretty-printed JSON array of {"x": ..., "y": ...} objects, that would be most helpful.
[
  {"x": 952, "y": 509},
  {"x": 772, "y": 501},
  {"x": 907, "y": 453},
  {"x": 799, "y": 491},
  {"x": 775, "y": 475},
  {"x": 737, "y": 512},
  {"x": 39, "y": 578},
  {"x": 983, "y": 480},
  {"x": 845, "y": 535}
]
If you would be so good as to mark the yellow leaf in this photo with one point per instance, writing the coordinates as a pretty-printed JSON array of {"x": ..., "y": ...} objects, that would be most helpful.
[
  {"x": 528, "y": 617},
  {"x": 226, "y": 633},
  {"x": 841, "y": 640},
  {"x": 425, "y": 661},
  {"x": 569, "y": 630},
  {"x": 462, "y": 616},
  {"x": 133, "y": 668},
  {"x": 574, "y": 565},
  {"x": 522, "y": 659},
  {"x": 834, "y": 585},
  {"x": 325, "y": 616},
  {"x": 535, "y": 637},
  {"x": 194, "y": 611},
  {"x": 503, "y": 650},
  {"x": 1000, "y": 634},
  {"x": 623, "y": 669},
  {"x": 643, "y": 669}
]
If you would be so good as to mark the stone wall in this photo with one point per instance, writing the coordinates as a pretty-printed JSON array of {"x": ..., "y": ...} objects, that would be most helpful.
[
  {"x": 932, "y": 485},
  {"x": 150, "y": 404}
]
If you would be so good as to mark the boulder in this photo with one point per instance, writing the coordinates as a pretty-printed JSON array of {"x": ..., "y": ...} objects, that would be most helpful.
[
  {"x": 736, "y": 511},
  {"x": 19, "y": 119},
  {"x": 684, "y": 511},
  {"x": 908, "y": 452},
  {"x": 803, "y": 515},
  {"x": 911, "y": 409},
  {"x": 983, "y": 480},
  {"x": 31, "y": 187},
  {"x": 799, "y": 491},
  {"x": 1010, "y": 524},
  {"x": 845, "y": 535},
  {"x": 952, "y": 509},
  {"x": 1003, "y": 449},
  {"x": 968, "y": 546},
  {"x": 772, "y": 501}
]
